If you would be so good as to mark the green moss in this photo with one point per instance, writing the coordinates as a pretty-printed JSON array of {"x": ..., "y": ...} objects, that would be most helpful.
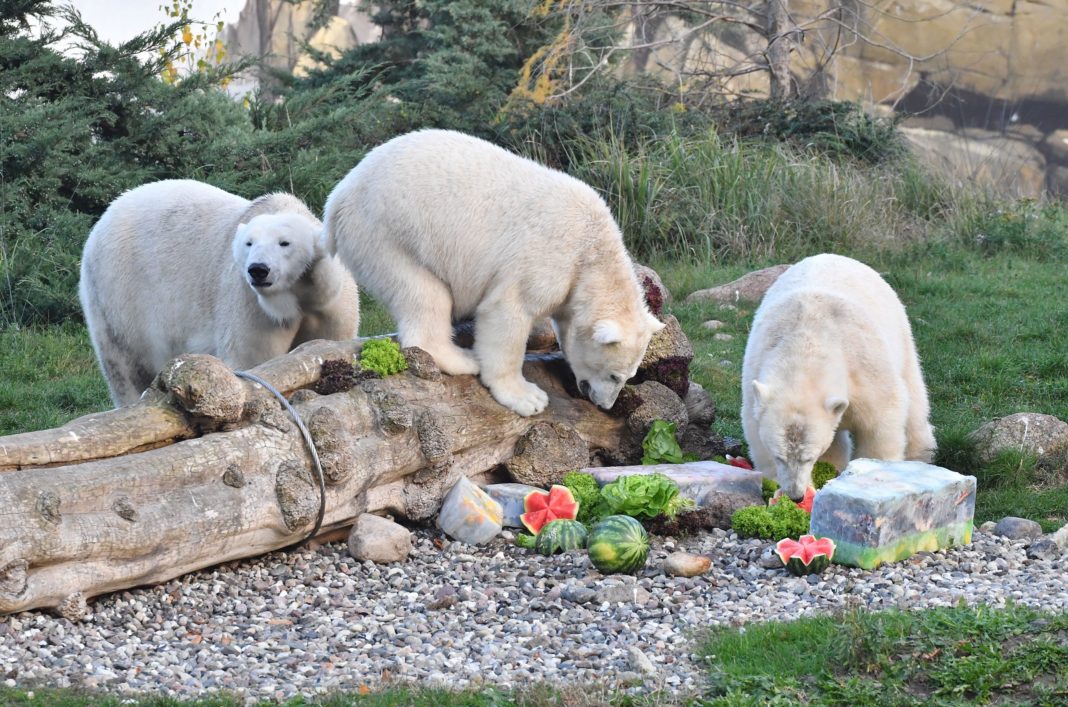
[
  {"x": 823, "y": 472},
  {"x": 783, "y": 520},
  {"x": 382, "y": 356},
  {"x": 768, "y": 487}
]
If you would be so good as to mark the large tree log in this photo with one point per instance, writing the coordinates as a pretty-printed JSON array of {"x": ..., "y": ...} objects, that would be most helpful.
[{"x": 208, "y": 468}]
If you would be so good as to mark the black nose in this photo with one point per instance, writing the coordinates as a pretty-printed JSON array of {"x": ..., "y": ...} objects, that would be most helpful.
[
  {"x": 258, "y": 272},
  {"x": 584, "y": 388}
]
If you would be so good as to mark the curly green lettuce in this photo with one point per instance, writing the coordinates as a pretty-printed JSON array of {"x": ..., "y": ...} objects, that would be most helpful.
[
  {"x": 783, "y": 520},
  {"x": 382, "y": 356}
]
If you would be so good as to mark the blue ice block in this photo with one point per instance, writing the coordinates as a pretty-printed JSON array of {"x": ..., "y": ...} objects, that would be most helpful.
[{"x": 882, "y": 511}]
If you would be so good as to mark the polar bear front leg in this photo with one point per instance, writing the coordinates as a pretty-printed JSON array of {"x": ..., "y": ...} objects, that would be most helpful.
[{"x": 501, "y": 334}]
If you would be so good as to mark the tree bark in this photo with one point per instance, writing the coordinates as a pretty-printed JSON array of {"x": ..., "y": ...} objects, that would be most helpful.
[
  {"x": 208, "y": 468},
  {"x": 780, "y": 45}
]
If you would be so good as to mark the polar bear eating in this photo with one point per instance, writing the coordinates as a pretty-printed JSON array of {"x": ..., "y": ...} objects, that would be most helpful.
[
  {"x": 440, "y": 226},
  {"x": 830, "y": 368},
  {"x": 179, "y": 266}
]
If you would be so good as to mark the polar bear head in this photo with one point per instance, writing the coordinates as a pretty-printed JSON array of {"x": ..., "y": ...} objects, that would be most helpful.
[
  {"x": 273, "y": 251},
  {"x": 797, "y": 424},
  {"x": 605, "y": 354}
]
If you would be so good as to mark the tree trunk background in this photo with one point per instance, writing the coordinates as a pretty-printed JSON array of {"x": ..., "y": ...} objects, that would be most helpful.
[{"x": 208, "y": 468}]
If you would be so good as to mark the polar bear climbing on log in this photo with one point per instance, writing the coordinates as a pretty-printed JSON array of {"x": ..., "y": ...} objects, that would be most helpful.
[
  {"x": 179, "y": 266},
  {"x": 830, "y": 353},
  {"x": 440, "y": 226}
]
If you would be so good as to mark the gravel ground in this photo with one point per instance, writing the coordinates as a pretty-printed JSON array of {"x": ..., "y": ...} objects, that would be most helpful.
[{"x": 314, "y": 621}]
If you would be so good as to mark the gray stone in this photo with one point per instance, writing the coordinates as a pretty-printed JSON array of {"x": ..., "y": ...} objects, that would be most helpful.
[
  {"x": 700, "y": 409},
  {"x": 713, "y": 324},
  {"x": 1045, "y": 548},
  {"x": 469, "y": 514},
  {"x": 578, "y": 594},
  {"x": 546, "y": 452},
  {"x": 379, "y": 540},
  {"x": 1061, "y": 537},
  {"x": 640, "y": 662},
  {"x": 769, "y": 559},
  {"x": 881, "y": 511},
  {"x": 722, "y": 336},
  {"x": 988, "y": 526},
  {"x": 1015, "y": 528},
  {"x": 686, "y": 564},
  {"x": 667, "y": 359},
  {"x": 1030, "y": 432},
  {"x": 623, "y": 594},
  {"x": 748, "y": 288}
]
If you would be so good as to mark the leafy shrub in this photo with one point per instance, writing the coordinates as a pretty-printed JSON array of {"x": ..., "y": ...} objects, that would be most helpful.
[
  {"x": 822, "y": 472},
  {"x": 782, "y": 520},
  {"x": 837, "y": 128}
]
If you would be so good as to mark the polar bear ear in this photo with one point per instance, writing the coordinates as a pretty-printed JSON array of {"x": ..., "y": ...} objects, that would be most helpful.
[
  {"x": 607, "y": 331},
  {"x": 761, "y": 392},
  {"x": 836, "y": 406},
  {"x": 652, "y": 323}
]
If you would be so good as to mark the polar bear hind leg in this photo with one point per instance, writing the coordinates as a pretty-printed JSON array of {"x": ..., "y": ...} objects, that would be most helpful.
[
  {"x": 501, "y": 330},
  {"x": 422, "y": 305}
]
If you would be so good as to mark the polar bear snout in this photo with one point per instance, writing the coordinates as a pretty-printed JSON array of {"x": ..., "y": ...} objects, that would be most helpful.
[{"x": 258, "y": 274}]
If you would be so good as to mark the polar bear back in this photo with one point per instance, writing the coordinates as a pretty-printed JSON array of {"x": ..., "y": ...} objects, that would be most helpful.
[
  {"x": 832, "y": 303},
  {"x": 448, "y": 200}
]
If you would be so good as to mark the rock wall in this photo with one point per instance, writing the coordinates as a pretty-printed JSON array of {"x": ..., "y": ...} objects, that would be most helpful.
[{"x": 278, "y": 30}]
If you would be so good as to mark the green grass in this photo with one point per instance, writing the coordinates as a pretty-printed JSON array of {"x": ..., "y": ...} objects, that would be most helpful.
[{"x": 954, "y": 656}]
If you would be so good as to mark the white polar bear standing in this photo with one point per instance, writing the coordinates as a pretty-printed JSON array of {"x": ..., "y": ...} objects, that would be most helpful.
[
  {"x": 179, "y": 266},
  {"x": 830, "y": 353},
  {"x": 440, "y": 226}
]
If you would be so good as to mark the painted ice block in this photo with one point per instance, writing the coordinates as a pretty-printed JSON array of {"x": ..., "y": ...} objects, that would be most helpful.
[
  {"x": 881, "y": 511},
  {"x": 510, "y": 496},
  {"x": 469, "y": 514},
  {"x": 708, "y": 483}
]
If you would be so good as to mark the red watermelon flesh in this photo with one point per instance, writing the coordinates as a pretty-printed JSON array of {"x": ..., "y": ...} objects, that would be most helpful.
[{"x": 544, "y": 506}]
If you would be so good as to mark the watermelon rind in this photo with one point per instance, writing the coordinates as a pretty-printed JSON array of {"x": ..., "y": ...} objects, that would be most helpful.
[
  {"x": 618, "y": 545},
  {"x": 791, "y": 552},
  {"x": 561, "y": 536}
]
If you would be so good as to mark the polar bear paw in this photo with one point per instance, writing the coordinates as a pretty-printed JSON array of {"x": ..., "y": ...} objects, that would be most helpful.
[
  {"x": 521, "y": 397},
  {"x": 455, "y": 361}
]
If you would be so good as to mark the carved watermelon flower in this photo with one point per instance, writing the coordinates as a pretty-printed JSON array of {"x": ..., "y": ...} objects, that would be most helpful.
[{"x": 805, "y": 555}]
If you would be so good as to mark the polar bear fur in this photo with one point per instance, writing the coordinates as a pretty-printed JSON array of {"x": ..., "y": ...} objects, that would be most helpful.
[
  {"x": 169, "y": 269},
  {"x": 830, "y": 364},
  {"x": 440, "y": 226}
]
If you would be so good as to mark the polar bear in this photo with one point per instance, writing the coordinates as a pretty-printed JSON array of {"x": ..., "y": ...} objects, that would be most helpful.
[
  {"x": 179, "y": 266},
  {"x": 829, "y": 365},
  {"x": 440, "y": 226}
]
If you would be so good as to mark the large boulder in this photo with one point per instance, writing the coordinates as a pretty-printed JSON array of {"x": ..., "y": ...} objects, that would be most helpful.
[
  {"x": 1010, "y": 166},
  {"x": 1031, "y": 432},
  {"x": 748, "y": 288}
]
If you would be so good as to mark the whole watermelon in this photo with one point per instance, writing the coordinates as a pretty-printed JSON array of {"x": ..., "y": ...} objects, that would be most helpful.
[
  {"x": 618, "y": 545},
  {"x": 560, "y": 536}
]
